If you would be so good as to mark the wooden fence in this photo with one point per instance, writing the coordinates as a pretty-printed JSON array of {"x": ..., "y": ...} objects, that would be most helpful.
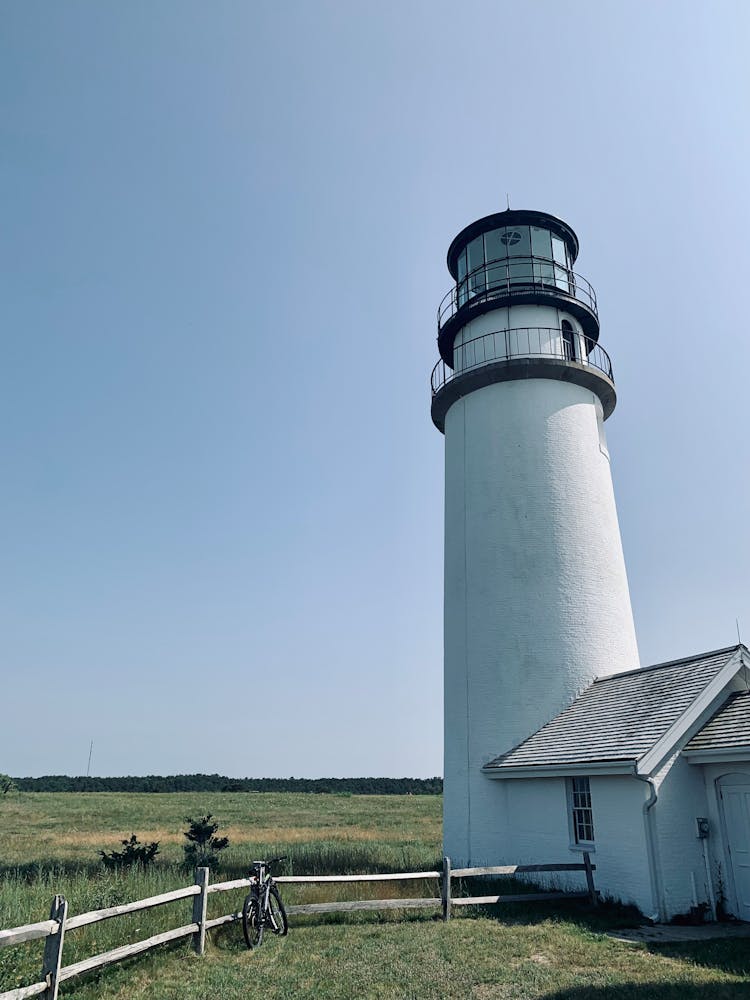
[{"x": 59, "y": 923}]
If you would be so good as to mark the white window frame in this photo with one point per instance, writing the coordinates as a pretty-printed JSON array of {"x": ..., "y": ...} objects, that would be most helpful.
[{"x": 580, "y": 813}]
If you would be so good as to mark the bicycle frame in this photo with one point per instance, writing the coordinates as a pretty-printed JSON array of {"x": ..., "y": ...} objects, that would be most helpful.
[{"x": 262, "y": 884}]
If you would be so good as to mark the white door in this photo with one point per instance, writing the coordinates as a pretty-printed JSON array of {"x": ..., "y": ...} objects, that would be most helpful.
[{"x": 734, "y": 793}]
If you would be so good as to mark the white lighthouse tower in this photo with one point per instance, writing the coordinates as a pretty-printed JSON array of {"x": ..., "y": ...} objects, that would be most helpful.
[{"x": 536, "y": 594}]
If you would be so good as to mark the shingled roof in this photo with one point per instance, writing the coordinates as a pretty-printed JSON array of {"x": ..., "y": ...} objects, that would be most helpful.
[
  {"x": 619, "y": 718},
  {"x": 728, "y": 728}
]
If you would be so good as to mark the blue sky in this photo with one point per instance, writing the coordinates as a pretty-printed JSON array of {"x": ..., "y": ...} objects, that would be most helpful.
[{"x": 223, "y": 244}]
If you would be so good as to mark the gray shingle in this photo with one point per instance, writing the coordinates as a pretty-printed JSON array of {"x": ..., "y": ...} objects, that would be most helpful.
[
  {"x": 729, "y": 727},
  {"x": 619, "y": 718}
]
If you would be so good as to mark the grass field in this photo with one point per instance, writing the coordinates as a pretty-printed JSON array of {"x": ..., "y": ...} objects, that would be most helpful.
[
  {"x": 68, "y": 829},
  {"x": 48, "y": 844}
]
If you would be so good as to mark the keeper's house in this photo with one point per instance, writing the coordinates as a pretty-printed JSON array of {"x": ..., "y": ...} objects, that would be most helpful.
[{"x": 650, "y": 770}]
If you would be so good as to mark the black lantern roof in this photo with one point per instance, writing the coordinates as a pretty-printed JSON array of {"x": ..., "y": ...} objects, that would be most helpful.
[{"x": 511, "y": 217}]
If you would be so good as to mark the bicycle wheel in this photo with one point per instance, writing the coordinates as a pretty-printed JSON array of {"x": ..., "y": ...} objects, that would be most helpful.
[
  {"x": 252, "y": 925},
  {"x": 278, "y": 922}
]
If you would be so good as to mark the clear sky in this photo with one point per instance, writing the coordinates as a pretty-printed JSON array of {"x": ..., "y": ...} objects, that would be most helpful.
[{"x": 223, "y": 229}]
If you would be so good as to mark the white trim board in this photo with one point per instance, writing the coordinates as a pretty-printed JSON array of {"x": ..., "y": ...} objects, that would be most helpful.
[{"x": 561, "y": 770}]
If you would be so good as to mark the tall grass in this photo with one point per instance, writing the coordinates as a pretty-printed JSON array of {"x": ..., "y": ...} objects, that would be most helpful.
[
  {"x": 26, "y": 892},
  {"x": 48, "y": 844},
  {"x": 25, "y": 898}
]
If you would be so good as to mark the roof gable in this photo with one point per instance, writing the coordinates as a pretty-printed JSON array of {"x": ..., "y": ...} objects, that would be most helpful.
[
  {"x": 621, "y": 718},
  {"x": 727, "y": 728}
]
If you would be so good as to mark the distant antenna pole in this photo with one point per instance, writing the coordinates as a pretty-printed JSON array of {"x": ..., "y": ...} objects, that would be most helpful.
[
  {"x": 507, "y": 200},
  {"x": 88, "y": 766},
  {"x": 737, "y": 623}
]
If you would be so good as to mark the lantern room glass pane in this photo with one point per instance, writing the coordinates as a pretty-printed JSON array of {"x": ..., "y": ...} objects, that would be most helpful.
[
  {"x": 494, "y": 247},
  {"x": 541, "y": 246},
  {"x": 497, "y": 274},
  {"x": 541, "y": 242},
  {"x": 462, "y": 265},
  {"x": 520, "y": 267},
  {"x": 476, "y": 253},
  {"x": 562, "y": 278},
  {"x": 558, "y": 250},
  {"x": 476, "y": 260},
  {"x": 521, "y": 271},
  {"x": 461, "y": 287},
  {"x": 518, "y": 241},
  {"x": 562, "y": 272}
]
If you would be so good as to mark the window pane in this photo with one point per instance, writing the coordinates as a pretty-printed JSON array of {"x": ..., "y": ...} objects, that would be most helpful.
[
  {"x": 518, "y": 241},
  {"x": 462, "y": 265},
  {"x": 541, "y": 242},
  {"x": 541, "y": 247},
  {"x": 494, "y": 247},
  {"x": 476, "y": 260},
  {"x": 562, "y": 278},
  {"x": 497, "y": 274},
  {"x": 476, "y": 253},
  {"x": 521, "y": 271},
  {"x": 462, "y": 290},
  {"x": 544, "y": 272},
  {"x": 558, "y": 250}
]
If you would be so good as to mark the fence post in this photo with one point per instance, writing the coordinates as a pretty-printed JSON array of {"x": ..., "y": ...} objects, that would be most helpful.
[
  {"x": 590, "y": 879},
  {"x": 445, "y": 888},
  {"x": 53, "y": 947},
  {"x": 200, "y": 905}
]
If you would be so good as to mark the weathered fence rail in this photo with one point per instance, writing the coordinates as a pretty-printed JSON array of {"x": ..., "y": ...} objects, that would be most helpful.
[{"x": 54, "y": 930}]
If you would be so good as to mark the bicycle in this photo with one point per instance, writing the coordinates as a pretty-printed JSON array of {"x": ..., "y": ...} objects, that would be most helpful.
[{"x": 263, "y": 907}]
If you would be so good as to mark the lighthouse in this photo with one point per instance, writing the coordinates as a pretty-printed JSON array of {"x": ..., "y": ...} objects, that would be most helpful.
[{"x": 536, "y": 593}]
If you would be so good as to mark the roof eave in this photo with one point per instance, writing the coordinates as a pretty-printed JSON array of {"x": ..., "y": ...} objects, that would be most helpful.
[
  {"x": 717, "y": 755},
  {"x": 566, "y": 770}
]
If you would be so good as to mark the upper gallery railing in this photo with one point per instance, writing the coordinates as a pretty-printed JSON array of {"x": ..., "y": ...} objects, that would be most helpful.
[{"x": 515, "y": 276}]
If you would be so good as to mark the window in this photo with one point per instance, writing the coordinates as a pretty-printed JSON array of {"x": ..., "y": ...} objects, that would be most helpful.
[
  {"x": 495, "y": 244},
  {"x": 462, "y": 268},
  {"x": 496, "y": 253},
  {"x": 541, "y": 247},
  {"x": 568, "y": 341},
  {"x": 581, "y": 815},
  {"x": 476, "y": 266},
  {"x": 518, "y": 242},
  {"x": 562, "y": 273}
]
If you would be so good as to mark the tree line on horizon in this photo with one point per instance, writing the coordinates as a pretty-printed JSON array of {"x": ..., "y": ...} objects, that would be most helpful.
[{"x": 220, "y": 783}]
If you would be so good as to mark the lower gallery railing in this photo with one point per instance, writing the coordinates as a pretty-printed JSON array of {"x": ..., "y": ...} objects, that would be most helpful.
[
  {"x": 521, "y": 342},
  {"x": 59, "y": 924}
]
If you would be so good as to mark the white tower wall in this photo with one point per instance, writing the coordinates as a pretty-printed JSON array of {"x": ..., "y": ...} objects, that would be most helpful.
[
  {"x": 517, "y": 331},
  {"x": 536, "y": 593}
]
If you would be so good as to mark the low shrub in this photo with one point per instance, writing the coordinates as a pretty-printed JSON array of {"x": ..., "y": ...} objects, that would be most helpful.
[{"x": 133, "y": 853}]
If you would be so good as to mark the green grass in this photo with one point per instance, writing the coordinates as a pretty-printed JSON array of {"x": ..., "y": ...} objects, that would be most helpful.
[
  {"x": 48, "y": 844},
  {"x": 68, "y": 829},
  {"x": 417, "y": 958}
]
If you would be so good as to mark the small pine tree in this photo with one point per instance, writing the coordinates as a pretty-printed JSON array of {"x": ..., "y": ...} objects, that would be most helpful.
[
  {"x": 134, "y": 853},
  {"x": 202, "y": 849}
]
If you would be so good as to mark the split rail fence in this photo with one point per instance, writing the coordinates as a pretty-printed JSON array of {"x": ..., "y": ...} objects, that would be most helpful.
[{"x": 54, "y": 930}]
